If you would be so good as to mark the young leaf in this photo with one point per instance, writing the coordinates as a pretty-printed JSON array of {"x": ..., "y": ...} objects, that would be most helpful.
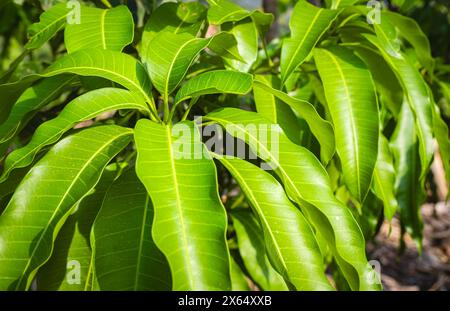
[
  {"x": 110, "y": 29},
  {"x": 125, "y": 255},
  {"x": 307, "y": 182},
  {"x": 215, "y": 82},
  {"x": 308, "y": 24},
  {"x": 190, "y": 222},
  {"x": 82, "y": 108},
  {"x": 46, "y": 196},
  {"x": 352, "y": 103}
]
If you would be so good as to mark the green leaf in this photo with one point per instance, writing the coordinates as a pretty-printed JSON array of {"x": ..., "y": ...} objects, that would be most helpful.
[
  {"x": 33, "y": 99},
  {"x": 343, "y": 3},
  {"x": 246, "y": 35},
  {"x": 190, "y": 222},
  {"x": 308, "y": 24},
  {"x": 45, "y": 198},
  {"x": 125, "y": 255},
  {"x": 169, "y": 58},
  {"x": 110, "y": 29},
  {"x": 416, "y": 92},
  {"x": 252, "y": 248},
  {"x": 409, "y": 188},
  {"x": 384, "y": 178},
  {"x": 223, "y": 11},
  {"x": 82, "y": 108},
  {"x": 173, "y": 18},
  {"x": 321, "y": 128},
  {"x": 289, "y": 239},
  {"x": 307, "y": 182},
  {"x": 352, "y": 102},
  {"x": 215, "y": 82},
  {"x": 70, "y": 268},
  {"x": 411, "y": 31},
  {"x": 50, "y": 22}
]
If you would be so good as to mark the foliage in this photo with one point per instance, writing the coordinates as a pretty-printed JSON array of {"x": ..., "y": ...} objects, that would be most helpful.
[{"x": 110, "y": 180}]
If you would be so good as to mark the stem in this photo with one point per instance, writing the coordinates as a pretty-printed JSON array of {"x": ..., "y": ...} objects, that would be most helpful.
[
  {"x": 107, "y": 4},
  {"x": 166, "y": 108},
  {"x": 191, "y": 104},
  {"x": 264, "y": 44}
]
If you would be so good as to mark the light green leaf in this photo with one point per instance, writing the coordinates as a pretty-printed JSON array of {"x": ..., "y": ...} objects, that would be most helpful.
[
  {"x": 384, "y": 178},
  {"x": 82, "y": 108},
  {"x": 441, "y": 132},
  {"x": 238, "y": 280},
  {"x": 45, "y": 198},
  {"x": 250, "y": 238},
  {"x": 307, "y": 182},
  {"x": 173, "y": 18},
  {"x": 70, "y": 268},
  {"x": 409, "y": 188},
  {"x": 169, "y": 58},
  {"x": 190, "y": 222},
  {"x": 343, "y": 3},
  {"x": 321, "y": 128},
  {"x": 352, "y": 102},
  {"x": 308, "y": 24},
  {"x": 110, "y": 29},
  {"x": 125, "y": 255},
  {"x": 213, "y": 82},
  {"x": 223, "y": 11},
  {"x": 50, "y": 22}
]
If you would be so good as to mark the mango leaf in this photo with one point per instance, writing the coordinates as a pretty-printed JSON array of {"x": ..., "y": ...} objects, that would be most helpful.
[
  {"x": 50, "y": 22},
  {"x": 223, "y": 11},
  {"x": 352, "y": 103},
  {"x": 343, "y": 3},
  {"x": 189, "y": 220},
  {"x": 409, "y": 188},
  {"x": 321, "y": 128},
  {"x": 82, "y": 108},
  {"x": 110, "y": 29},
  {"x": 416, "y": 92},
  {"x": 45, "y": 197},
  {"x": 308, "y": 24},
  {"x": 71, "y": 268},
  {"x": 246, "y": 35},
  {"x": 33, "y": 99},
  {"x": 384, "y": 178},
  {"x": 213, "y": 82},
  {"x": 250, "y": 238},
  {"x": 111, "y": 65},
  {"x": 169, "y": 58},
  {"x": 441, "y": 132},
  {"x": 411, "y": 31},
  {"x": 125, "y": 255},
  {"x": 307, "y": 182},
  {"x": 173, "y": 18}
]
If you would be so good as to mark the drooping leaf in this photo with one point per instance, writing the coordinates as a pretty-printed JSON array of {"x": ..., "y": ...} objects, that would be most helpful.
[
  {"x": 441, "y": 132},
  {"x": 308, "y": 24},
  {"x": 82, "y": 108},
  {"x": 125, "y": 255},
  {"x": 238, "y": 280},
  {"x": 173, "y": 18},
  {"x": 416, "y": 92},
  {"x": 307, "y": 182},
  {"x": 50, "y": 22},
  {"x": 109, "y": 29},
  {"x": 409, "y": 187},
  {"x": 45, "y": 197},
  {"x": 250, "y": 238},
  {"x": 214, "y": 82},
  {"x": 321, "y": 128},
  {"x": 189, "y": 220},
  {"x": 384, "y": 178},
  {"x": 352, "y": 103},
  {"x": 70, "y": 267}
]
